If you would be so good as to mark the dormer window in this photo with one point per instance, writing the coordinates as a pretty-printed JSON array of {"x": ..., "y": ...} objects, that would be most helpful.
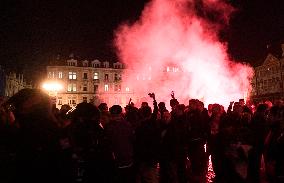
[
  {"x": 72, "y": 62},
  {"x": 85, "y": 63},
  {"x": 96, "y": 64},
  {"x": 105, "y": 65},
  {"x": 117, "y": 65}
]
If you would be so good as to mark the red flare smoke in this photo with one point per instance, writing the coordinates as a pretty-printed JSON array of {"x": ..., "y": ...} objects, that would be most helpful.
[{"x": 171, "y": 47}]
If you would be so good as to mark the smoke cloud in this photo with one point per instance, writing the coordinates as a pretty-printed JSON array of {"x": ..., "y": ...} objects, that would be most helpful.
[{"x": 174, "y": 46}]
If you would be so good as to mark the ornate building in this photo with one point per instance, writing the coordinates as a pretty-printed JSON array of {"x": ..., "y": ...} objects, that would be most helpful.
[
  {"x": 268, "y": 81},
  {"x": 90, "y": 81},
  {"x": 14, "y": 83}
]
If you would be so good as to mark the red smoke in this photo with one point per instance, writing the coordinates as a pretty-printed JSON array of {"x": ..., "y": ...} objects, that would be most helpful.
[{"x": 175, "y": 47}]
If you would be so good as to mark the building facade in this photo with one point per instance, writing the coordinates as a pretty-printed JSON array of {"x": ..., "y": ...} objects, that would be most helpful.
[
  {"x": 87, "y": 81},
  {"x": 13, "y": 83},
  {"x": 268, "y": 80}
]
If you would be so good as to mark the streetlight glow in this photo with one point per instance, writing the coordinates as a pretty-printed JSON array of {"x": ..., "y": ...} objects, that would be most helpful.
[{"x": 52, "y": 86}]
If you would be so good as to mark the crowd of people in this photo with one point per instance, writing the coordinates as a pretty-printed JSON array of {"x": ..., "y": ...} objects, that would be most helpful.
[{"x": 149, "y": 144}]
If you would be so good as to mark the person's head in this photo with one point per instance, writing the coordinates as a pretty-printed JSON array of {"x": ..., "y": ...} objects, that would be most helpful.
[
  {"x": 144, "y": 104},
  {"x": 103, "y": 107},
  {"x": 86, "y": 112},
  {"x": 237, "y": 109},
  {"x": 261, "y": 109},
  {"x": 162, "y": 106},
  {"x": 179, "y": 109},
  {"x": 115, "y": 110},
  {"x": 30, "y": 103},
  {"x": 242, "y": 102},
  {"x": 173, "y": 103},
  {"x": 210, "y": 107},
  {"x": 216, "y": 109},
  {"x": 200, "y": 105},
  {"x": 145, "y": 112},
  {"x": 192, "y": 105}
]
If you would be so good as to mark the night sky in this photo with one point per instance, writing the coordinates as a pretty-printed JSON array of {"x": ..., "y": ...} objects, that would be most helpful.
[{"x": 33, "y": 33}]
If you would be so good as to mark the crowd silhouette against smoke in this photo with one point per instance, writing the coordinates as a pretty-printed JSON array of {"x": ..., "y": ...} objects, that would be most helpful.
[
  {"x": 145, "y": 142},
  {"x": 180, "y": 38}
]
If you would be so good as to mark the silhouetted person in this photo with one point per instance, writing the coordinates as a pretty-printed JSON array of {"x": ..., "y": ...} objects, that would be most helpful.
[
  {"x": 146, "y": 146},
  {"x": 37, "y": 154},
  {"x": 120, "y": 136}
]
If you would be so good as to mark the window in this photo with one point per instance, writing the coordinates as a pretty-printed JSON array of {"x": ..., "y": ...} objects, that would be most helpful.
[
  {"x": 117, "y": 88},
  {"x": 72, "y": 75},
  {"x": 60, "y": 75},
  {"x": 59, "y": 100},
  {"x": 49, "y": 75},
  {"x": 53, "y": 74},
  {"x": 96, "y": 75},
  {"x": 85, "y": 76},
  {"x": 106, "y": 87},
  {"x": 71, "y": 87},
  {"x": 97, "y": 65},
  {"x": 96, "y": 88},
  {"x": 106, "y": 77},
  {"x": 85, "y": 99},
  {"x": 117, "y": 77},
  {"x": 127, "y": 89},
  {"x": 85, "y": 64},
  {"x": 72, "y": 101},
  {"x": 85, "y": 88}
]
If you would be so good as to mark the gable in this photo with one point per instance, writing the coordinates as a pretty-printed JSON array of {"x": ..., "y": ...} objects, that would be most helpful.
[{"x": 271, "y": 60}]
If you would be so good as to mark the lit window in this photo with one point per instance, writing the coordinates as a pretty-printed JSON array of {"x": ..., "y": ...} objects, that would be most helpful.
[
  {"x": 96, "y": 75},
  {"x": 71, "y": 87},
  {"x": 106, "y": 87},
  {"x": 59, "y": 100},
  {"x": 60, "y": 75},
  {"x": 168, "y": 69},
  {"x": 72, "y": 75},
  {"x": 127, "y": 89},
  {"x": 49, "y": 75},
  {"x": 53, "y": 74}
]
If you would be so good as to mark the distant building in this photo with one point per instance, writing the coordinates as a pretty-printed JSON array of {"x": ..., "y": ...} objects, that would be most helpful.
[
  {"x": 13, "y": 83},
  {"x": 87, "y": 81},
  {"x": 268, "y": 81}
]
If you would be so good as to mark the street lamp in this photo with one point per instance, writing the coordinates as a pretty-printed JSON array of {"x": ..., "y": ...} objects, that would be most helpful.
[{"x": 52, "y": 88}]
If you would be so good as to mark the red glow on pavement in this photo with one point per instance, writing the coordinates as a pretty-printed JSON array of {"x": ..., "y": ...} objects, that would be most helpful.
[{"x": 170, "y": 37}]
